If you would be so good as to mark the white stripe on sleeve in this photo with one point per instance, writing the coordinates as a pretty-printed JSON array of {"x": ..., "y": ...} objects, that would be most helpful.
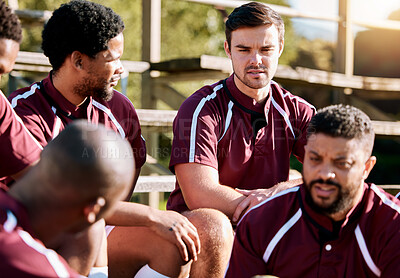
[{"x": 194, "y": 121}]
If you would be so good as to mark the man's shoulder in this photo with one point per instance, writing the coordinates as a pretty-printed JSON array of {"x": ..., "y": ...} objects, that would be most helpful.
[
  {"x": 384, "y": 202},
  {"x": 25, "y": 95},
  {"x": 119, "y": 103},
  {"x": 280, "y": 94},
  {"x": 276, "y": 208},
  {"x": 207, "y": 97}
]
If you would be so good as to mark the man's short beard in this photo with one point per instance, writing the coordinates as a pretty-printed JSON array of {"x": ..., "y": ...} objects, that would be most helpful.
[
  {"x": 90, "y": 88},
  {"x": 342, "y": 203}
]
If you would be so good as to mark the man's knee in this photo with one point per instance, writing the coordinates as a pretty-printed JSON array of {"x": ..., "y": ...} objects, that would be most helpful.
[{"x": 213, "y": 226}]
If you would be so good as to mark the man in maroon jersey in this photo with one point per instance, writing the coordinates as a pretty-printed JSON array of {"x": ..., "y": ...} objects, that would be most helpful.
[
  {"x": 233, "y": 139},
  {"x": 84, "y": 43},
  {"x": 71, "y": 187},
  {"x": 333, "y": 225},
  {"x": 18, "y": 148}
]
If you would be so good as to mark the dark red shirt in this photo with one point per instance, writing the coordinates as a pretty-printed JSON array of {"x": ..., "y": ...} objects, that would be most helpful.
[
  {"x": 21, "y": 253},
  {"x": 248, "y": 143},
  {"x": 19, "y": 148},
  {"x": 283, "y": 236},
  {"x": 46, "y": 112}
]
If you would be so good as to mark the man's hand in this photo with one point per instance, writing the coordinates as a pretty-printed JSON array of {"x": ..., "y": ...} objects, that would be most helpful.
[
  {"x": 253, "y": 197},
  {"x": 256, "y": 196},
  {"x": 177, "y": 229}
]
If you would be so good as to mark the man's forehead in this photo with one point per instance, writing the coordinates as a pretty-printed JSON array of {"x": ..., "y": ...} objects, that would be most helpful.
[
  {"x": 115, "y": 47},
  {"x": 322, "y": 144}
]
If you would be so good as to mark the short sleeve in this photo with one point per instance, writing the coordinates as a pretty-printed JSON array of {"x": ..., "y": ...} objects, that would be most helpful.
[
  {"x": 131, "y": 124},
  {"x": 195, "y": 131},
  {"x": 19, "y": 148},
  {"x": 305, "y": 112},
  {"x": 137, "y": 141}
]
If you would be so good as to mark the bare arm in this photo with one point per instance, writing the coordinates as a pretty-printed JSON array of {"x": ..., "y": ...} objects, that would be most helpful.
[
  {"x": 201, "y": 189},
  {"x": 170, "y": 225}
]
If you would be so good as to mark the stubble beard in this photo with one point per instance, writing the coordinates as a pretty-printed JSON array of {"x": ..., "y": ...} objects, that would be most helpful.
[
  {"x": 343, "y": 202},
  {"x": 95, "y": 88},
  {"x": 258, "y": 83}
]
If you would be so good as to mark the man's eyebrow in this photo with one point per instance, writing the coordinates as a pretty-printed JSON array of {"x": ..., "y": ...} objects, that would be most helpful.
[{"x": 241, "y": 46}]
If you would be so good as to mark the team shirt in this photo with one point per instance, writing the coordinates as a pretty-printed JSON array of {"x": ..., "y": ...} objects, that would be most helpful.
[
  {"x": 248, "y": 143},
  {"x": 46, "y": 112},
  {"x": 22, "y": 254},
  {"x": 283, "y": 236},
  {"x": 18, "y": 147}
]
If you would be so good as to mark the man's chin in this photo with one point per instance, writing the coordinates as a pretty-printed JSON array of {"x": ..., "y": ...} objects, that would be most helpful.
[{"x": 105, "y": 95}]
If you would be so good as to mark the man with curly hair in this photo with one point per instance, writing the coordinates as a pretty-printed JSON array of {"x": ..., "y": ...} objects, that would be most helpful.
[
  {"x": 18, "y": 148},
  {"x": 334, "y": 224},
  {"x": 84, "y": 42}
]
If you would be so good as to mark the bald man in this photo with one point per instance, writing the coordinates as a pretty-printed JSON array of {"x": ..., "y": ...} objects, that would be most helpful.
[{"x": 81, "y": 175}]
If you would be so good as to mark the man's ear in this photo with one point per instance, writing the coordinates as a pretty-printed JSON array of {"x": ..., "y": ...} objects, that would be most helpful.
[
  {"x": 281, "y": 47},
  {"x": 227, "y": 50},
  {"x": 92, "y": 210},
  {"x": 77, "y": 60},
  {"x": 368, "y": 166}
]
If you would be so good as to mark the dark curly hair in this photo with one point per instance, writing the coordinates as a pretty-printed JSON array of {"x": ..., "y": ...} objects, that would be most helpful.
[
  {"x": 343, "y": 121},
  {"x": 10, "y": 27},
  {"x": 79, "y": 26},
  {"x": 253, "y": 14}
]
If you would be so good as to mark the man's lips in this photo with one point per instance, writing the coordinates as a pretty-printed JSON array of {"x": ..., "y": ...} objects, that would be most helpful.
[
  {"x": 324, "y": 190},
  {"x": 114, "y": 81}
]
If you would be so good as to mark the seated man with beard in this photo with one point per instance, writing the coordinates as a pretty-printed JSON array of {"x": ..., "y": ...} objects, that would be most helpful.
[{"x": 334, "y": 224}]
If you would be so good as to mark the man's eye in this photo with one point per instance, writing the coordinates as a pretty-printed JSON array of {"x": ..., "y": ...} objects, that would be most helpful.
[{"x": 344, "y": 164}]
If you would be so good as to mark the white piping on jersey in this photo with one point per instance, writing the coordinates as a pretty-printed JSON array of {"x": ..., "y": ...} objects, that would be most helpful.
[
  {"x": 228, "y": 118},
  {"x": 384, "y": 199},
  {"x": 283, "y": 192},
  {"x": 21, "y": 122},
  {"x": 282, "y": 231},
  {"x": 284, "y": 115},
  {"x": 51, "y": 255},
  {"x": 57, "y": 125},
  {"x": 299, "y": 99},
  {"x": 25, "y": 95},
  {"x": 365, "y": 252},
  {"x": 194, "y": 121},
  {"x": 110, "y": 115},
  {"x": 10, "y": 223},
  {"x": 397, "y": 195}
]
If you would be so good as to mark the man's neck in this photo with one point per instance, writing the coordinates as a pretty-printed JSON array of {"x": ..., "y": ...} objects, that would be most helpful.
[
  {"x": 64, "y": 86},
  {"x": 259, "y": 95}
]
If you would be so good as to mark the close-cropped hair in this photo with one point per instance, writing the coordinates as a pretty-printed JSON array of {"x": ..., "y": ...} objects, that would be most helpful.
[
  {"x": 10, "y": 27},
  {"x": 343, "y": 121},
  {"x": 80, "y": 26},
  {"x": 253, "y": 14}
]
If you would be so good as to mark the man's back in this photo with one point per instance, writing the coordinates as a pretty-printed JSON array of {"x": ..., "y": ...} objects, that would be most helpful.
[{"x": 22, "y": 255}]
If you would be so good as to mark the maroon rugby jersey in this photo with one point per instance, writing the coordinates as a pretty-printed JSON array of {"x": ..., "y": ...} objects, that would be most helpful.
[
  {"x": 46, "y": 112},
  {"x": 18, "y": 147},
  {"x": 283, "y": 236},
  {"x": 248, "y": 143},
  {"x": 21, "y": 254}
]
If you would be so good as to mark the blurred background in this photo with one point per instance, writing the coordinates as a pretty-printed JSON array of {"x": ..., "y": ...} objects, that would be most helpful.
[{"x": 336, "y": 51}]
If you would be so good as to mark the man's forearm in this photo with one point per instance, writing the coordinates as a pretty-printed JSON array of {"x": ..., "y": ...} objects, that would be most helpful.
[{"x": 131, "y": 214}]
